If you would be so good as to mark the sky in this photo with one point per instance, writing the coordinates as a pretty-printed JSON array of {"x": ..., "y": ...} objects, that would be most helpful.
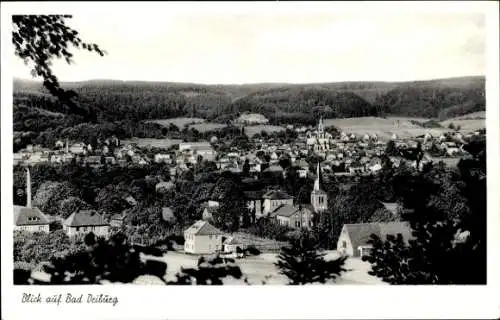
[{"x": 293, "y": 47}]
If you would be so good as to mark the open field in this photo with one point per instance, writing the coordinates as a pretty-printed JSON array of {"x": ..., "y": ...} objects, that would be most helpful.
[
  {"x": 407, "y": 119},
  {"x": 207, "y": 126},
  {"x": 473, "y": 115},
  {"x": 150, "y": 142},
  {"x": 179, "y": 122},
  {"x": 202, "y": 126},
  {"x": 383, "y": 128},
  {"x": 262, "y": 268},
  {"x": 251, "y": 130},
  {"x": 199, "y": 124},
  {"x": 468, "y": 122}
]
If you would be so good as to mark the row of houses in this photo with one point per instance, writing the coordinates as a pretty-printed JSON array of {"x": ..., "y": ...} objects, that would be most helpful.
[{"x": 203, "y": 238}]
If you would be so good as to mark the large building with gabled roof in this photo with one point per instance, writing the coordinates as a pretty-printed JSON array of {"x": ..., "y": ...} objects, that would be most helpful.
[
  {"x": 86, "y": 221},
  {"x": 202, "y": 238},
  {"x": 353, "y": 239},
  {"x": 274, "y": 199},
  {"x": 298, "y": 215},
  {"x": 30, "y": 219}
]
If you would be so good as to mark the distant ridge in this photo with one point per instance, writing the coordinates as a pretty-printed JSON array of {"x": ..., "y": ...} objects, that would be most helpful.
[
  {"x": 271, "y": 84},
  {"x": 281, "y": 103}
]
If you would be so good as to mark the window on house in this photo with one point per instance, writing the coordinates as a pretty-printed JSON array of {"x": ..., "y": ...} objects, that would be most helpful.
[
  {"x": 344, "y": 244},
  {"x": 77, "y": 229}
]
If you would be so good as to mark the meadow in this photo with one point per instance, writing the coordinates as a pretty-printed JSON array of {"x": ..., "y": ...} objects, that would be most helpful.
[
  {"x": 150, "y": 142},
  {"x": 179, "y": 122},
  {"x": 207, "y": 126},
  {"x": 384, "y": 128},
  {"x": 203, "y": 126},
  {"x": 252, "y": 130},
  {"x": 469, "y": 122}
]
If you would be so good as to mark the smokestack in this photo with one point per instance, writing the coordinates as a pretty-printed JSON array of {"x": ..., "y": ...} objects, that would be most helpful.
[
  {"x": 67, "y": 147},
  {"x": 28, "y": 188}
]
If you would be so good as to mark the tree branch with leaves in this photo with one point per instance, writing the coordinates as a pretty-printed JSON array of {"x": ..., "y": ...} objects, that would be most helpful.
[{"x": 39, "y": 39}]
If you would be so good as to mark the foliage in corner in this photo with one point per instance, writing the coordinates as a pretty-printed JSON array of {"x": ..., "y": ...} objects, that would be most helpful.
[{"x": 38, "y": 39}]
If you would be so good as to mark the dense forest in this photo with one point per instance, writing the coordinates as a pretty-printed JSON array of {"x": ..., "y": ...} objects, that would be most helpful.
[
  {"x": 109, "y": 106},
  {"x": 118, "y": 100}
]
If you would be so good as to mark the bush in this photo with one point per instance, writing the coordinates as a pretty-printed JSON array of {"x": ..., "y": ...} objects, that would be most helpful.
[
  {"x": 55, "y": 225},
  {"x": 252, "y": 251}
]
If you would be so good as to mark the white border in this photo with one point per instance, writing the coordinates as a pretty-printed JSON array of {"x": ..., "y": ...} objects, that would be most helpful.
[{"x": 145, "y": 302}]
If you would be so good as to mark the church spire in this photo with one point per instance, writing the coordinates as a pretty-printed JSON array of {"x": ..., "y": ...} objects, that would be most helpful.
[
  {"x": 316, "y": 182},
  {"x": 320, "y": 125},
  {"x": 319, "y": 198}
]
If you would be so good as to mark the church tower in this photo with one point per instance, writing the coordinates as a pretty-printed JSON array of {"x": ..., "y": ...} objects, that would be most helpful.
[
  {"x": 321, "y": 129},
  {"x": 319, "y": 199}
]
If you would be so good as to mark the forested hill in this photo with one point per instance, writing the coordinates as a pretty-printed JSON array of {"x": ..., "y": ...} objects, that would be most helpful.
[{"x": 282, "y": 103}]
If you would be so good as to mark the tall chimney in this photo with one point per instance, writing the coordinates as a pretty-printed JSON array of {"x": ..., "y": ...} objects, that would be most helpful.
[
  {"x": 67, "y": 147},
  {"x": 28, "y": 188}
]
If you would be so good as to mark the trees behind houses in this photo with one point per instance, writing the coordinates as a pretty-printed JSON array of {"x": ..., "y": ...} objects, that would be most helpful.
[{"x": 448, "y": 221}]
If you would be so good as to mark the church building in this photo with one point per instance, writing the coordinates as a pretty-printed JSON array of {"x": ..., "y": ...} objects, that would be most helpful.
[
  {"x": 319, "y": 140},
  {"x": 298, "y": 216}
]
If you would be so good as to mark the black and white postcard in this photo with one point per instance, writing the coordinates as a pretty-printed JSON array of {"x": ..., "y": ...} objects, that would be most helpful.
[{"x": 283, "y": 159}]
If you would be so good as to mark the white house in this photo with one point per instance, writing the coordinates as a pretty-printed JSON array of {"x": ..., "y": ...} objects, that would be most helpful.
[
  {"x": 202, "y": 238},
  {"x": 85, "y": 221},
  {"x": 203, "y": 149},
  {"x": 353, "y": 239}
]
